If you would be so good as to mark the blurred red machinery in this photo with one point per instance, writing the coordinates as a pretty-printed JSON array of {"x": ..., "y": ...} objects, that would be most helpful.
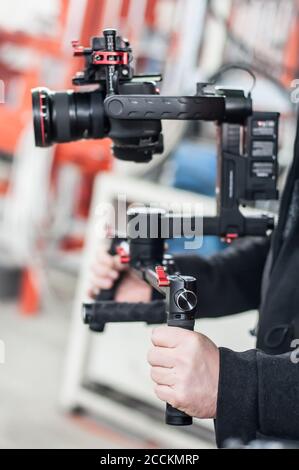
[{"x": 15, "y": 112}]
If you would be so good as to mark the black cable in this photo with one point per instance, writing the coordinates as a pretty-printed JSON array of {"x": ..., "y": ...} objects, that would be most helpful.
[
  {"x": 250, "y": 68},
  {"x": 234, "y": 66}
]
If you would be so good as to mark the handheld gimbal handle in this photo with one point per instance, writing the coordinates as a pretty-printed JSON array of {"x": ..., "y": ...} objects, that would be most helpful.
[
  {"x": 182, "y": 304},
  {"x": 175, "y": 417},
  {"x": 101, "y": 312}
]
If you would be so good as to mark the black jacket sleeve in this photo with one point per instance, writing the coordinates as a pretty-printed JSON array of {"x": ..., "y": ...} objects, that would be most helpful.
[
  {"x": 229, "y": 282},
  {"x": 258, "y": 396}
]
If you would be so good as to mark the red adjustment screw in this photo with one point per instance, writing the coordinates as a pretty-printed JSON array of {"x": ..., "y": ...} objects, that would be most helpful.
[
  {"x": 163, "y": 280},
  {"x": 230, "y": 237},
  {"x": 78, "y": 50},
  {"x": 124, "y": 256}
]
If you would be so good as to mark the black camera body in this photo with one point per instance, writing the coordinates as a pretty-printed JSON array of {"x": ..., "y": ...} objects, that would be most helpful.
[{"x": 67, "y": 116}]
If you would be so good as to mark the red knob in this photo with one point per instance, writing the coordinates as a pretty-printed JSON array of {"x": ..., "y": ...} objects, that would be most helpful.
[{"x": 162, "y": 277}]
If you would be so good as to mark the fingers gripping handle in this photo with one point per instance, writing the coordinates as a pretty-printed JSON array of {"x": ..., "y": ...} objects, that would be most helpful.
[
  {"x": 174, "y": 417},
  {"x": 182, "y": 307},
  {"x": 109, "y": 294}
]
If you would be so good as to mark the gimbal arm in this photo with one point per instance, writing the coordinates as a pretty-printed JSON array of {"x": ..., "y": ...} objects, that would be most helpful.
[
  {"x": 223, "y": 106},
  {"x": 156, "y": 107}
]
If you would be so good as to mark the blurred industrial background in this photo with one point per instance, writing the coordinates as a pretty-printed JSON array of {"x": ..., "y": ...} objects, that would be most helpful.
[{"x": 60, "y": 386}]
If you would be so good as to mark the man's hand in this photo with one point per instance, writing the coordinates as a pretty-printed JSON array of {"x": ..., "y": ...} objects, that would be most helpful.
[
  {"x": 185, "y": 369},
  {"x": 105, "y": 272}
]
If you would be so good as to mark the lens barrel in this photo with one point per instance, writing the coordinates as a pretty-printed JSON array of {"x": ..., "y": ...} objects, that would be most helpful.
[{"x": 67, "y": 116}]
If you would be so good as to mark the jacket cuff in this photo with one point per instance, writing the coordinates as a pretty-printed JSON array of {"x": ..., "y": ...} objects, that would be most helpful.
[{"x": 237, "y": 405}]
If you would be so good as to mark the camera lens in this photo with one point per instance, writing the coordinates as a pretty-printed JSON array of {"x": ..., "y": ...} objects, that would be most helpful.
[
  {"x": 41, "y": 116},
  {"x": 67, "y": 116}
]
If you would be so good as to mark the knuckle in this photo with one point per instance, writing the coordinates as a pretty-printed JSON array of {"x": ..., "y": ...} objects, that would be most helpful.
[
  {"x": 180, "y": 360},
  {"x": 116, "y": 262},
  {"x": 107, "y": 262},
  {"x": 154, "y": 375},
  {"x": 94, "y": 269},
  {"x": 103, "y": 256},
  {"x": 154, "y": 335},
  {"x": 106, "y": 284},
  {"x": 193, "y": 345},
  {"x": 93, "y": 285},
  {"x": 184, "y": 375},
  {"x": 113, "y": 274},
  {"x": 179, "y": 399},
  {"x": 175, "y": 402},
  {"x": 150, "y": 356},
  {"x": 192, "y": 340},
  {"x": 189, "y": 377},
  {"x": 98, "y": 270}
]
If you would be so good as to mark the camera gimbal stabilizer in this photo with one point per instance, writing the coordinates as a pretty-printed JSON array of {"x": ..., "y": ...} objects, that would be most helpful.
[{"x": 129, "y": 110}]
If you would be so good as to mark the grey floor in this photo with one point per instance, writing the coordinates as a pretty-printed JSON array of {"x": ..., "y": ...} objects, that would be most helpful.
[{"x": 30, "y": 382}]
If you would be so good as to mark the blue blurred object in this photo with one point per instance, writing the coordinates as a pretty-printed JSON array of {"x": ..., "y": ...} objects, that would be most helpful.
[{"x": 195, "y": 170}]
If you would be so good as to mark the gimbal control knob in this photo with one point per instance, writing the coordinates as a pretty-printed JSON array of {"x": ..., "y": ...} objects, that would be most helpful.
[{"x": 186, "y": 300}]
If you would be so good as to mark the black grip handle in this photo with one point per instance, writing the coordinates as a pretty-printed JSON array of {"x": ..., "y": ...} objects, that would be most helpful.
[
  {"x": 98, "y": 314},
  {"x": 236, "y": 223},
  {"x": 175, "y": 417},
  {"x": 154, "y": 107}
]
